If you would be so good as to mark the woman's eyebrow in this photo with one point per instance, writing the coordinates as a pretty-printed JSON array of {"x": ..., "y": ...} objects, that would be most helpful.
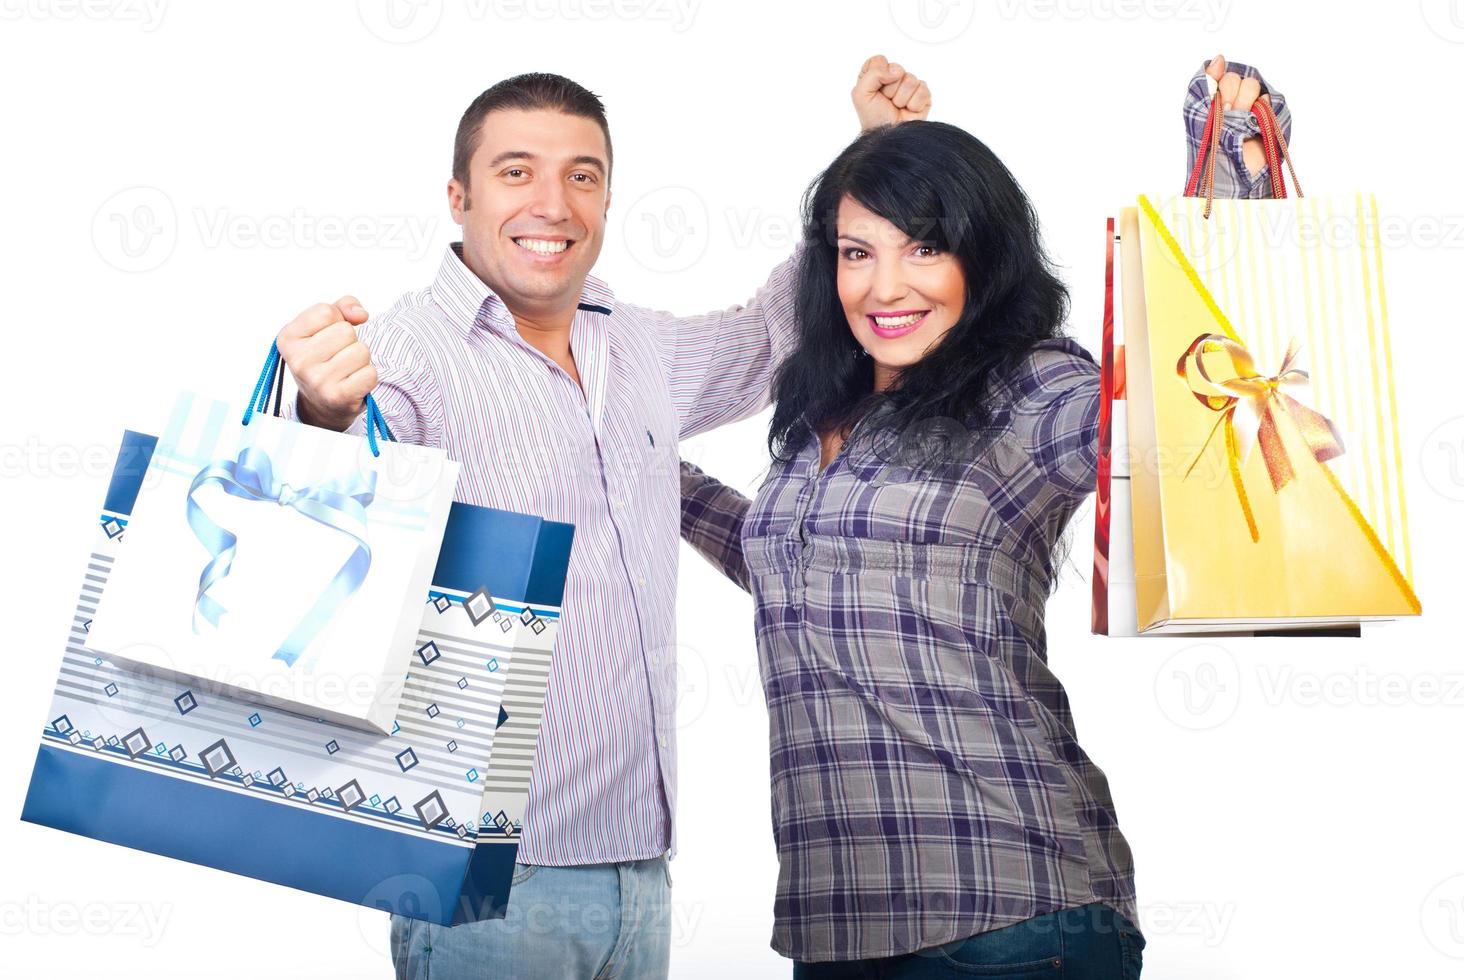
[{"x": 856, "y": 241}]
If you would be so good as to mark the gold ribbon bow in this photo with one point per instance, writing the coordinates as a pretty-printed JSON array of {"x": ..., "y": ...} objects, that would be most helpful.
[{"x": 1248, "y": 402}]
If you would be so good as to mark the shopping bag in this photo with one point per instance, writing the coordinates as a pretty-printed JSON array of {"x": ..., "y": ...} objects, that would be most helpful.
[
  {"x": 1113, "y": 546},
  {"x": 396, "y": 821},
  {"x": 1262, "y": 420},
  {"x": 277, "y": 562}
]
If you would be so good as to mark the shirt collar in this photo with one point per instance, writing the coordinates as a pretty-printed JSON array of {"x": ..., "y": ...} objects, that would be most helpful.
[{"x": 470, "y": 303}]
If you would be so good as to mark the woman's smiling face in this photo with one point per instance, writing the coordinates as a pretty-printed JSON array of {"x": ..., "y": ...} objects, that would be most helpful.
[{"x": 900, "y": 296}]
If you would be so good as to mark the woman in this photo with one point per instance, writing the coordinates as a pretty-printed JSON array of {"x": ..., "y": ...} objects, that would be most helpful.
[{"x": 933, "y": 434}]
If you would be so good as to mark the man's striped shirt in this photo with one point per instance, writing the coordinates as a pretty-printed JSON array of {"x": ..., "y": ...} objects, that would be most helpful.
[{"x": 455, "y": 374}]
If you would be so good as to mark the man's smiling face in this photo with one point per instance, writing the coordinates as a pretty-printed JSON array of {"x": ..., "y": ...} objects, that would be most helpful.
[{"x": 533, "y": 211}]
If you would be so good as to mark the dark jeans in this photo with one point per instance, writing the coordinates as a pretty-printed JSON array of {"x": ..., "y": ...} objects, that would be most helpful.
[{"x": 1090, "y": 942}]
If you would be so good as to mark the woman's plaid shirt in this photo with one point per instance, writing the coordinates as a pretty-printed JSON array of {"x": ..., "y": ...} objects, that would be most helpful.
[{"x": 927, "y": 782}]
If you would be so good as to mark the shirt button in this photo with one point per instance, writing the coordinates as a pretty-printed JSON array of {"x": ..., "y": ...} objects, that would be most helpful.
[
  {"x": 662, "y": 740},
  {"x": 640, "y": 581}
]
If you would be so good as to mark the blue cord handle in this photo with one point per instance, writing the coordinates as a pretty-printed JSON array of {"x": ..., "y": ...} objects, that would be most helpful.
[{"x": 259, "y": 402}]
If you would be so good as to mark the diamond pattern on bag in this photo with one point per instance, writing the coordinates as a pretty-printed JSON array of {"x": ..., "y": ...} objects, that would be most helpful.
[
  {"x": 218, "y": 759},
  {"x": 431, "y": 810},
  {"x": 479, "y": 606},
  {"x": 136, "y": 742},
  {"x": 350, "y": 795}
]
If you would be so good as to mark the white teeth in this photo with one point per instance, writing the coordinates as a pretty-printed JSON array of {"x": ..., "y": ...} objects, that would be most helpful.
[
  {"x": 541, "y": 246},
  {"x": 897, "y": 321}
]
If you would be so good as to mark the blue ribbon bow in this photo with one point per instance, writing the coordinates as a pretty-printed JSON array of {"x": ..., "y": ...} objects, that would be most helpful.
[{"x": 340, "y": 503}]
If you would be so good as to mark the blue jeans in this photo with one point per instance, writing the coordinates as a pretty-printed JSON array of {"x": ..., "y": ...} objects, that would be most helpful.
[
  {"x": 1090, "y": 942},
  {"x": 577, "y": 923}
]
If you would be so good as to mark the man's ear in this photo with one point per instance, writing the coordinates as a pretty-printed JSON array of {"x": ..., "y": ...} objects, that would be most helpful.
[
  {"x": 607, "y": 202},
  {"x": 457, "y": 199}
]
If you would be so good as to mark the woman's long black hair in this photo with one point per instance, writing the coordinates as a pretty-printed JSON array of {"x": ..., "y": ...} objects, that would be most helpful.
[{"x": 942, "y": 186}]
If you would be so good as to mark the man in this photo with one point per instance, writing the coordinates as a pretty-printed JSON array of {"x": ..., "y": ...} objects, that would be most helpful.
[{"x": 560, "y": 400}]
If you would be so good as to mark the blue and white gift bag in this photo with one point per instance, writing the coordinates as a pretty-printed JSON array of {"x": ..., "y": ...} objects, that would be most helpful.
[
  {"x": 397, "y": 821},
  {"x": 277, "y": 562}
]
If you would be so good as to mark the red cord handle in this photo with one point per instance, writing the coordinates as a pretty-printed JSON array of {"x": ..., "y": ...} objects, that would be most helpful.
[{"x": 1273, "y": 144}]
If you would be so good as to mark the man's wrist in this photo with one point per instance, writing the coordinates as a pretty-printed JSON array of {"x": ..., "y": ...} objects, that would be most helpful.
[{"x": 310, "y": 415}]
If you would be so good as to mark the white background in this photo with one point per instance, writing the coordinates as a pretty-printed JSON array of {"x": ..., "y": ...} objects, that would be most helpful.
[{"x": 178, "y": 179}]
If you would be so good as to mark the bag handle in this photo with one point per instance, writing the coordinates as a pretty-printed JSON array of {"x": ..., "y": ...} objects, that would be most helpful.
[
  {"x": 1202, "y": 178},
  {"x": 272, "y": 383},
  {"x": 1274, "y": 144}
]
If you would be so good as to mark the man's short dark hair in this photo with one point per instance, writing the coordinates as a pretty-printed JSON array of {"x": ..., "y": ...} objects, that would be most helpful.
[{"x": 535, "y": 90}]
